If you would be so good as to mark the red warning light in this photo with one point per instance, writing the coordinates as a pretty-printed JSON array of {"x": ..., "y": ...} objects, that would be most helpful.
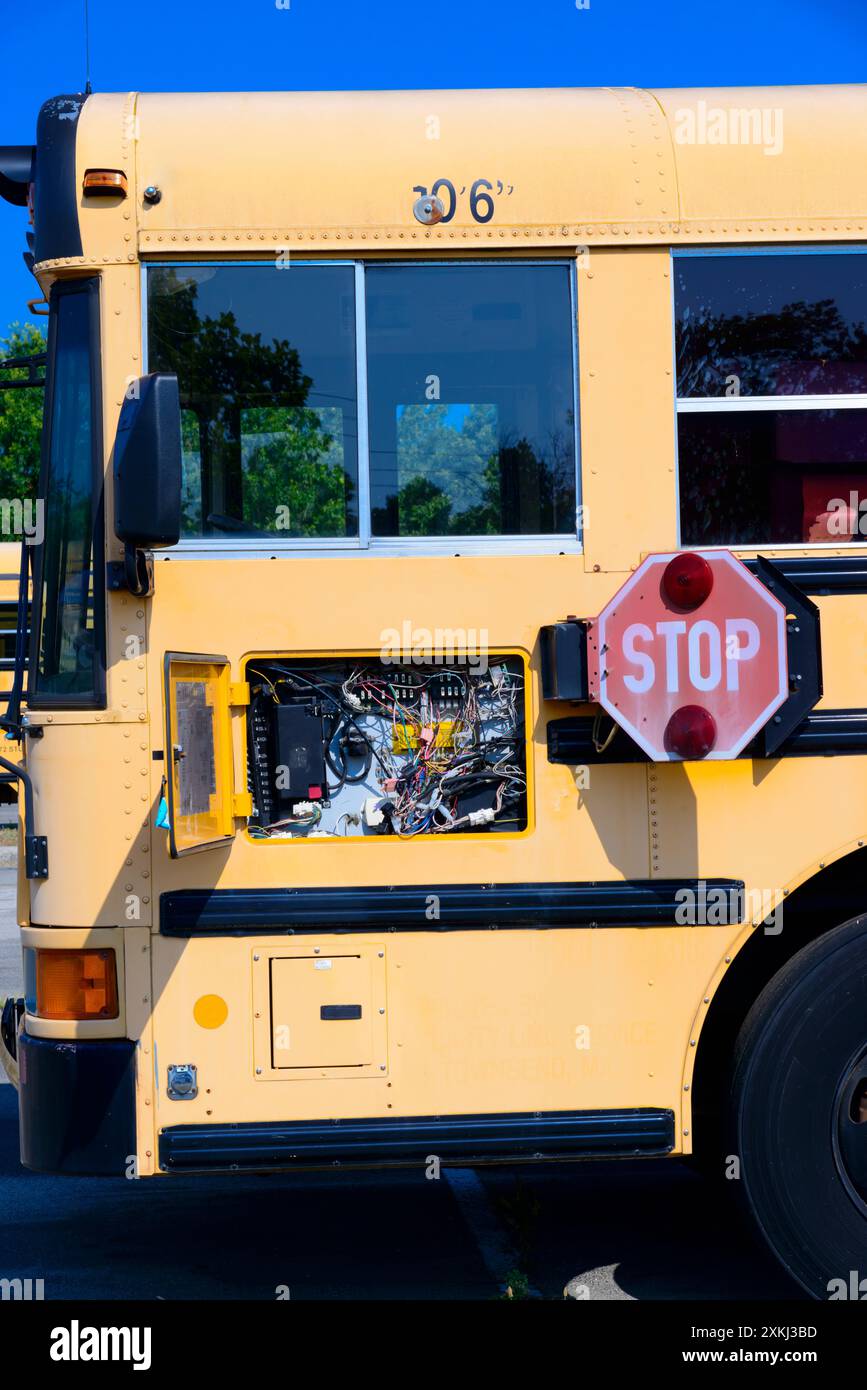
[
  {"x": 687, "y": 580},
  {"x": 691, "y": 732}
]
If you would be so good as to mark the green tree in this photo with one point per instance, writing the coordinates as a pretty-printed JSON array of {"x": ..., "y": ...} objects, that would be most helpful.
[
  {"x": 447, "y": 472},
  {"x": 20, "y": 417},
  {"x": 268, "y": 461},
  {"x": 790, "y": 351},
  {"x": 459, "y": 475}
]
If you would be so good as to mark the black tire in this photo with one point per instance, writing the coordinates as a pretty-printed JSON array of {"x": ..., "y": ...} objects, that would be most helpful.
[{"x": 799, "y": 1068}]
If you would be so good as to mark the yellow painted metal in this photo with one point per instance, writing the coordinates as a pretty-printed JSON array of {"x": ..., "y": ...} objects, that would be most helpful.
[
  {"x": 139, "y": 1022},
  {"x": 304, "y": 986},
  {"x": 476, "y": 1021},
  {"x": 336, "y": 171},
  {"x": 627, "y": 409}
]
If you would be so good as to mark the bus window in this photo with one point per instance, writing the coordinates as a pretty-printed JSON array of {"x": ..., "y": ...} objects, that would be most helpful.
[
  {"x": 765, "y": 342},
  {"x": 471, "y": 387},
  {"x": 265, "y": 360},
  {"x": 69, "y": 653},
  {"x": 471, "y": 399}
]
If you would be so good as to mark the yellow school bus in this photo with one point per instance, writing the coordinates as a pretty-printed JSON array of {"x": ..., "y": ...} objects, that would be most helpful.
[{"x": 446, "y": 720}]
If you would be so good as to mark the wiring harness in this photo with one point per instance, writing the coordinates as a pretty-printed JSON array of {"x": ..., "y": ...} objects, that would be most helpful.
[{"x": 436, "y": 751}]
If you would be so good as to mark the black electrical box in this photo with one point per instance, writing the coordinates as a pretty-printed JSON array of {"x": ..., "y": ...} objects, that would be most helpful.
[
  {"x": 299, "y": 755},
  {"x": 564, "y": 661}
]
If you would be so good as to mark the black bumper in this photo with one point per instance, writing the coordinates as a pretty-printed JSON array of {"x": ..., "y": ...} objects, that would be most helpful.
[
  {"x": 76, "y": 1104},
  {"x": 455, "y": 1139}
]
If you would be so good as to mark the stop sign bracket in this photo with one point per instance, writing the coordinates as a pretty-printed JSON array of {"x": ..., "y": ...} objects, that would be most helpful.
[
  {"x": 563, "y": 652},
  {"x": 804, "y": 646}
]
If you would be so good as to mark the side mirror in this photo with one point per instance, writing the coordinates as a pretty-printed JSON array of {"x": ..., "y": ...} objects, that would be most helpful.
[{"x": 147, "y": 464}]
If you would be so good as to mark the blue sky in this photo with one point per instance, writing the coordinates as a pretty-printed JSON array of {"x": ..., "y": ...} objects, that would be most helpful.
[{"x": 241, "y": 45}]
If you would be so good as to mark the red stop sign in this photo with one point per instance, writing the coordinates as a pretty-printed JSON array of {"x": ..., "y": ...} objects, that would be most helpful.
[{"x": 659, "y": 668}]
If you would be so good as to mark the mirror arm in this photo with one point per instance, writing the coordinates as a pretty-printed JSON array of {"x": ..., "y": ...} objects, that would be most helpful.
[
  {"x": 134, "y": 573},
  {"x": 139, "y": 578}
]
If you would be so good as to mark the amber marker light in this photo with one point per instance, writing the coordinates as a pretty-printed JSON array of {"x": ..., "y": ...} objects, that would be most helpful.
[
  {"x": 76, "y": 984},
  {"x": 105, "y": 183},
  {"x": 687, "y": 580}
]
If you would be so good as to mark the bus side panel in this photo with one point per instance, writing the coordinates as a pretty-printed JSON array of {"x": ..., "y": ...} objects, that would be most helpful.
[{"x": 474, "y": 1023}]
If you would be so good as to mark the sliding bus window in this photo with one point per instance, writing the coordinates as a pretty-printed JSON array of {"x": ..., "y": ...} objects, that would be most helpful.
[
  {"x": 471, "y": 389},
  {"x": 772, "y": 396}
]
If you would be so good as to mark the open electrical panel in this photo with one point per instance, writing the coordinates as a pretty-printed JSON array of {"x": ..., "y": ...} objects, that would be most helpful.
[{"x": 359, "y": 747}]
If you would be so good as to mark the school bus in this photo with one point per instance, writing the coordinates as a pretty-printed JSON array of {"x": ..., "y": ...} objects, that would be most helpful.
[{"x": 446, "y": 726}]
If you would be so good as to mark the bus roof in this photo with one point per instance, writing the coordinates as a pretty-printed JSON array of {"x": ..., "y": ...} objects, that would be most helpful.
[{"x": 338, "y": 171}]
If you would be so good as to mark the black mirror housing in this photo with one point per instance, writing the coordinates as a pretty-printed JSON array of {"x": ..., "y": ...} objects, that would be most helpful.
[{"x": 147, "y": 464}]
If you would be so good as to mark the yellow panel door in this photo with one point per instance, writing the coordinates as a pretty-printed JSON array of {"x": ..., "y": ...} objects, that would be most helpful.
[{"x": 321, "y": 1011}]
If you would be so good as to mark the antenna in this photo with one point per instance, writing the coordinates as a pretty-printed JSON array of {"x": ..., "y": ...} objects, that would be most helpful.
[{"x": 87, "y": 87}]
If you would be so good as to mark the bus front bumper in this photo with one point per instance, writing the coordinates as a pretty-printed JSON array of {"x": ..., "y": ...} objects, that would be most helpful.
[{"x": 76, "y": 1104}]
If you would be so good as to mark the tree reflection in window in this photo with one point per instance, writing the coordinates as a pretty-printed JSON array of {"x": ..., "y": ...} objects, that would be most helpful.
[
  {"x": 258, "y": 457},
  {"x": 771, "y": 324}
]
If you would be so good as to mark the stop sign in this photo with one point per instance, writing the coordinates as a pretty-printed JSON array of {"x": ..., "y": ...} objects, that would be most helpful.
[{"x": 689, "y": 657}]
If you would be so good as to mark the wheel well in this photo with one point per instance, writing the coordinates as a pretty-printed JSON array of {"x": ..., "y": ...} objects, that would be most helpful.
[{"x": 830, "y": 897}]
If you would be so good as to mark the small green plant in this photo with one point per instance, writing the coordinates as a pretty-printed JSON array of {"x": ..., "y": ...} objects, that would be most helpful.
[{"x": 517, "y": 1285}]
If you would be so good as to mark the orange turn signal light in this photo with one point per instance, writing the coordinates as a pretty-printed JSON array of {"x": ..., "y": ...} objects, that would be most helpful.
[
  {"x": 76, "y": 984},
  {"x": 105, "y": 183}
]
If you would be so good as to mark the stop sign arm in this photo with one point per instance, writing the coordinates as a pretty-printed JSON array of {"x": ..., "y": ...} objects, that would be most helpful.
[
  {"x": 662, "y": 648},
  {"x": 690, "y": 656},
  {"x": 804, "y": 648}
]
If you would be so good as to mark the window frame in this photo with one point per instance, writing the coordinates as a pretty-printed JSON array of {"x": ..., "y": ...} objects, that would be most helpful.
[
  {"x": 365, "y": 543},
  {"x": 696, "y": 405},
  {"x": 96, "y": 698}
]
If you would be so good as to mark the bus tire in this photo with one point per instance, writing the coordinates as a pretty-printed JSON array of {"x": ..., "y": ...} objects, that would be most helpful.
[{"x": 797, "y": 1113}]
